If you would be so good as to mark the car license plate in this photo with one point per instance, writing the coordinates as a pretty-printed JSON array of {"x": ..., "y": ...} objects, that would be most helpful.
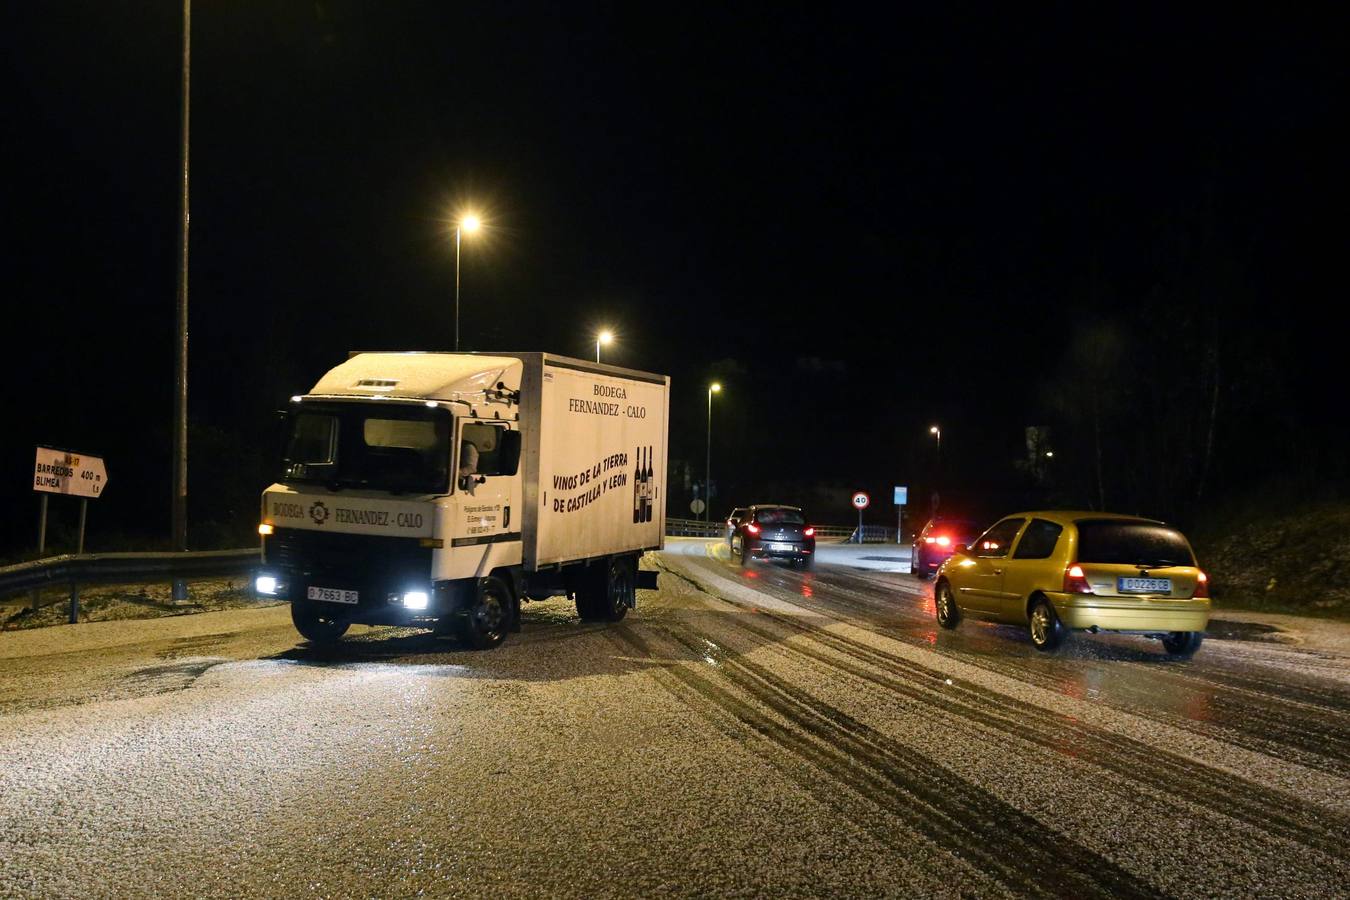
[
  {"x": 332, "y": 595},
  {"x": 1144, "y": 585},
  {"x": 782, "y": 547}
]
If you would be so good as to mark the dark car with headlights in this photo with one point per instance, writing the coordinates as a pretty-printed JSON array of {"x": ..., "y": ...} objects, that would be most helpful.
[{"x": 773, "y": 531}]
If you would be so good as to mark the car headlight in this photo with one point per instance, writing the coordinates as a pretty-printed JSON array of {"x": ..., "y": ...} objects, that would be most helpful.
[
  {"x": 415, "y": 600},
  {"x": 265, "y": 584}
]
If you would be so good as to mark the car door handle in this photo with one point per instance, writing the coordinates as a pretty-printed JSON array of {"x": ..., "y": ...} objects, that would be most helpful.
[{"x": 998, "y": 571}]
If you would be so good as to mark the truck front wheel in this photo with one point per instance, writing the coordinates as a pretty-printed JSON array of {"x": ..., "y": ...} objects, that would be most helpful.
[
  {"x": 316, "y": 624},
  {"x": 488, "y": 615}
]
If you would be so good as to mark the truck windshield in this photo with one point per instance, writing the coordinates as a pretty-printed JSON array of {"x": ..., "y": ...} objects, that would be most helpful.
[{"x": 386, "y": 447}]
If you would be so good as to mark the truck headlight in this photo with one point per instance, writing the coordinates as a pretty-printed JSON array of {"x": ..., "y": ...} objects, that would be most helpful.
[
  {"x": 415, "y": 600},
  {"x": 266, "y": 584}
]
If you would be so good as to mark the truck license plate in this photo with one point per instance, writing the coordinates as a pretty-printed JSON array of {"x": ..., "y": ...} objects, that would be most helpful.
[
  {"x": 333, "y": 595},
  {"x": 1144, "y": 585}
]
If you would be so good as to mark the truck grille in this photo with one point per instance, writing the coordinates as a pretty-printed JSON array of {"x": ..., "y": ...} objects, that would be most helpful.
[{"x": 358, "y": 558}]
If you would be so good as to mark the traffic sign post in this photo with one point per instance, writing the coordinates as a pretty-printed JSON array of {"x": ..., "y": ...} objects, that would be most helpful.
[
  {"x": 73, "y": 474},
  {"x": 860, "y": 502},
  {"x": 901, "y": 499}
]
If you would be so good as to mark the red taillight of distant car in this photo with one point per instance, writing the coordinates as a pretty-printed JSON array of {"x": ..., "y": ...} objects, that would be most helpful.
[
  {"x": 810, "y": 532},
  {"x": 752, "y": 528},
  {"x": 944, "y": 541},
  {"x": 1075, "y": 582},
  {"x": 1202, "y": 586}
]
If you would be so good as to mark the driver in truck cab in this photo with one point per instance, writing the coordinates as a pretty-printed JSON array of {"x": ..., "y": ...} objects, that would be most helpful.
[{"x": 468, "y": 465}]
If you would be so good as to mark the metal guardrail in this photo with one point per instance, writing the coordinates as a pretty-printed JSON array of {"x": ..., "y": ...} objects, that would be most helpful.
[
  {"x": 73, "y": 570},
  {"x": 872, "y": 534},
  {"x": 695, "y": 528}
]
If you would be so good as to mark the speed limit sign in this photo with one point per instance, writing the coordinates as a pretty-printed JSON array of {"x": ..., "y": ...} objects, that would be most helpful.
[{"x": 861, "y": 500}]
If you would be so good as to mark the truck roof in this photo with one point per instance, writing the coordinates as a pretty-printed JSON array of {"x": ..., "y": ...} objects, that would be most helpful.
[
  {"x": 414, "y": 375},
  {"x": 431, "y": 375}
]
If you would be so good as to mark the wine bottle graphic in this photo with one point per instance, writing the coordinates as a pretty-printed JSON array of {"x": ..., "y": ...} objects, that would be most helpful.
[
  {"x": 637, "y": 486},
  {"x": 648, "y": 488}
]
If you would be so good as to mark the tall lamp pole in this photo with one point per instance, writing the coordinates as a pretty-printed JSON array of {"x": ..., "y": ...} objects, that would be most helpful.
[
  {"x": 934, "y": 499},
  {"x": 178, "y": 517},
  {"x": 707, "y": 467},
  {"x": 467, "y": 224},
  {"x": 604, "y": 337}
]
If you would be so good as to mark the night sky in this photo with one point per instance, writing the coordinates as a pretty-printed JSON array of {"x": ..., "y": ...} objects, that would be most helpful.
[{"x": 861, "y": 224}]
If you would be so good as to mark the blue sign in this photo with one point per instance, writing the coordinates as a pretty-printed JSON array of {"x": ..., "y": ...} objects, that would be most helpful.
[{"x": 901, "y": 496}]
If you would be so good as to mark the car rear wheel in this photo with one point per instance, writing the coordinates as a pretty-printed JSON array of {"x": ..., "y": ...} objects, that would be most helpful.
[
  {"x": 917, "y": 567},
  {"x": 746, "y": 555},
  {"x": 1183, "y": 643},
  {"x": 948, "y": 613},
  {"x": 316, "y": 624},
  {"x": 1044, "y": 626}
]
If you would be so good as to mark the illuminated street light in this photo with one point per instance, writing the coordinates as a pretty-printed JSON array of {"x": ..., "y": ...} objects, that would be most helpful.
[
  {"x": 713, "y": 388},
  {"x": 467, "y": 224},
  {"x": 936, "y": 432},
  {"x": 604, "y": 337}
]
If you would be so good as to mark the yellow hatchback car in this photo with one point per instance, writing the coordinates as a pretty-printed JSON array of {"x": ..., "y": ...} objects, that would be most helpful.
[{"x": 1060, "y": 571}]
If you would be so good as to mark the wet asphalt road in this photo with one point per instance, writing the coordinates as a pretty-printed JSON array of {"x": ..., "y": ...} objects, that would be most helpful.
[{"x": 758, "y": 732}]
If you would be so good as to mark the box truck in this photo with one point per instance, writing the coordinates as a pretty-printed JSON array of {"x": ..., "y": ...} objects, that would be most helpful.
[{"x": 446, "y": 489}]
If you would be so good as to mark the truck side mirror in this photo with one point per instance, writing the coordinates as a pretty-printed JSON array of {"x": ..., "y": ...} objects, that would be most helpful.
[{"x": 509, "y": 452}]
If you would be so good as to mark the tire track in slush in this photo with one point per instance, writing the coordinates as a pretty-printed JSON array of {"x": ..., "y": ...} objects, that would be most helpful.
[
  {"x": 1217, "y": 791},
  {"x": 1319, "y": 744},
  {"x": 1031, "y": 859},
  {"x": 1214, "y": 673},
  {"x": 1250, "y": 716}
]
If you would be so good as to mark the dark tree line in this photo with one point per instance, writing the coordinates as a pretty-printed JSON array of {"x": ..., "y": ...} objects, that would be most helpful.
[{"x": 1169, "y": 394}]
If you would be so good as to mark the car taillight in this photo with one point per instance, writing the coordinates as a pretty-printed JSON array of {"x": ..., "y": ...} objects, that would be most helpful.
[
  {"x": 943, "y": 540},
  {"x": 930, "y": 540},
  {"x": 752, "y": 528},
  {"x": 1075, "y": 582},
  {"x": 1202, "y": 586},
  {"x": 810, "y": 532}
]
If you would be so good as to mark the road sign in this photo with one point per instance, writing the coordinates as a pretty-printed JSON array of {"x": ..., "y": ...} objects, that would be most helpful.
[
  {"x": 861, "y": 500},
  {"x": 74, "y": 474},
  {"x": 697, "y": 506},
  {"x": 901, "y": 495}
]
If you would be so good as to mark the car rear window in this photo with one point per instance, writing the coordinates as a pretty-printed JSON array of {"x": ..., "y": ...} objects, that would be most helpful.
[
  {"x": 1132, "y": 543},
  {"x": 779, "y": 517}
]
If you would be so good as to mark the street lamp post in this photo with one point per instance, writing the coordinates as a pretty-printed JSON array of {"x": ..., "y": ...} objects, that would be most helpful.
[
  {"x": 707, "y": 466},
  {"x": 933, "y": 498},
  {"x": 178, "y": 509},
  {"x": 468, "y": 223},
  {"x": 604, "y": 337}
]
